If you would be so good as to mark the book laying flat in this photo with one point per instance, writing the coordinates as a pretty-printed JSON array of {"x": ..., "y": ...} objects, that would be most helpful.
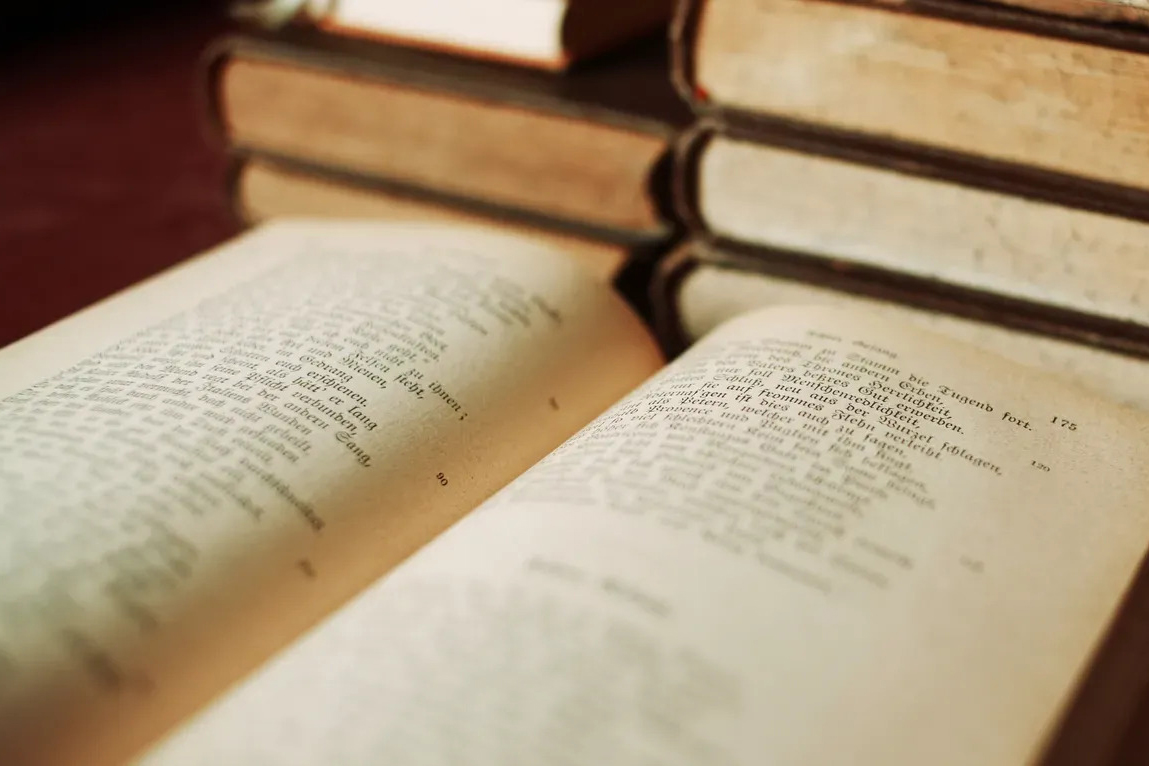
[
  {"x": 550, "y": 34},
  {"x": 1060, "y": 101},
  {"x": 788, "y": 193},
  {"x": 345, "y": 492},
  {"x": 263, "y": 190},
  {"x": 586, "y": 149},
  {"x": 701, "y": 286}
]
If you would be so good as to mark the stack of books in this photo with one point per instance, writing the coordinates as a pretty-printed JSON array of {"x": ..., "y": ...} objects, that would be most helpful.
[
  {"x": 554, "y": 116},
  {"x": 969, "y": 166}
]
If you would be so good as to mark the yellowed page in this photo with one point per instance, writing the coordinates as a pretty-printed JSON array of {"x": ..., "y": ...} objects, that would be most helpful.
[
  {"x": 816, "y": 538},
  {"x": 1011, "y": 245},
  {"x": 267, "y": 191},
  {"x": 194, "y": 471},
  {"x": 1038, "y": 100},
  {"x": 711, "y": 295}
]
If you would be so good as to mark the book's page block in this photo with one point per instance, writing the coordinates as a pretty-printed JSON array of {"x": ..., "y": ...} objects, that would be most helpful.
[{"x": 1002, "y": 243}]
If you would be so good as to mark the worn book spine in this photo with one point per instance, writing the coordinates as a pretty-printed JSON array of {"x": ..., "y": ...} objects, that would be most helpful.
[
  {"x": 663, "y": 290},
  {"x": 998, "y": 175}
]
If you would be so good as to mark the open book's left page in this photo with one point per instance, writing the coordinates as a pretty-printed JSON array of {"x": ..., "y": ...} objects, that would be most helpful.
[
  {"x": 194, "y": 471},
  {"x": 815, "y": 538}
]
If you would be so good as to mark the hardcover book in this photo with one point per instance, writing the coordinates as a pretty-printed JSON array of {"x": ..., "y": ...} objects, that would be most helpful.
[
  {"x": 786, "y": 191},
  {"x": 583, "y": 151}
]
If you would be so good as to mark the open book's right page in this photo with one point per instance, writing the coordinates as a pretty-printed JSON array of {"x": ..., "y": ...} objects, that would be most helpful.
[
  {"x": 711, "y": 295},
  {"x": 816, "y": 538}
]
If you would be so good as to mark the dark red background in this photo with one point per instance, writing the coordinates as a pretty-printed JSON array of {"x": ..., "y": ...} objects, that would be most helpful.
[{"x": 106, "y": 173}]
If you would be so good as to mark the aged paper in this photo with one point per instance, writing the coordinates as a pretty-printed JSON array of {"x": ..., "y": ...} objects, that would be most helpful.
[
  {"x": 194, "y": 471},
  {"x": 815, "y": 538}
]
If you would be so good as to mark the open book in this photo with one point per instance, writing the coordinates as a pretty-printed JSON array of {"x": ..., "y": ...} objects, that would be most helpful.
[{"x": 816, "y": 537}]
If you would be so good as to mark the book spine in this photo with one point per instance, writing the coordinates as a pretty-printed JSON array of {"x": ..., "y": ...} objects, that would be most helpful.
[
  {"x": 683, "y": 34},
  {"x": 658, "y": 188},
  {"x": 688, "y": 150},
  {"x": 662, "y": 291},
  {"x": 213, "y": 61}
]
